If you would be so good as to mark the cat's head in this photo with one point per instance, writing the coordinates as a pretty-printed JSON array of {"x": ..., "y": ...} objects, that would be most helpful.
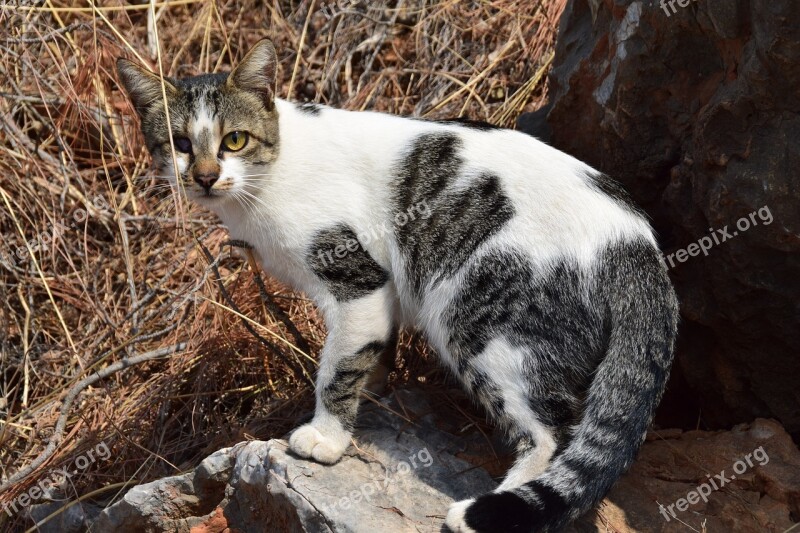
[{"x": 224, "y": 126}]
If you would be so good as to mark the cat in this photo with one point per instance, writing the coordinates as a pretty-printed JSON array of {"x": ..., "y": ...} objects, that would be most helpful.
[{"x": 536, "y": 280}]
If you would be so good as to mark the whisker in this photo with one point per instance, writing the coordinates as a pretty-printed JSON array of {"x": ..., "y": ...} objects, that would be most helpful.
[
  {"x": 153, "y": 177},
  {"x": 244, "y": 200},
  {"x": 255, "y": 198}
]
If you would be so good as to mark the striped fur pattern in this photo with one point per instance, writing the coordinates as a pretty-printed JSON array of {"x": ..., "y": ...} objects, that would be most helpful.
[{"x": 535, "y": 279}]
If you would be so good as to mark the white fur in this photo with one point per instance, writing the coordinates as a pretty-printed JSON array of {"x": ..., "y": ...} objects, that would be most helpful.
[
  {"x": 230, "y": 175},
  {"x": 455, "y": 517},
  {"x": 204, "y": 122},
  {"x": 323, "y": 440},
  {"x": 337, "y": 168},
  {"x": 504, "y": 363},
  {"x": 183, "y": 162}
]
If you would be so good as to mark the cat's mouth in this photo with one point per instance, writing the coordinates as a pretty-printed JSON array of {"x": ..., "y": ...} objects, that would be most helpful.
[
  {"x": 208, "y": 196},
  {"x": 209, "y": 189},
  {"x": 205, "y": 195}
]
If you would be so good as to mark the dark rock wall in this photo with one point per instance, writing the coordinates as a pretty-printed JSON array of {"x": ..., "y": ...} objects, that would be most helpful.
[{"x": 696, "y": 113}]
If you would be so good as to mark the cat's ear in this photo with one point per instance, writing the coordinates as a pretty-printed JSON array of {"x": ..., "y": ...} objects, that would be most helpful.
[
  {"x": 257, "y": 71},
  {"x": 142, "y": 86}
]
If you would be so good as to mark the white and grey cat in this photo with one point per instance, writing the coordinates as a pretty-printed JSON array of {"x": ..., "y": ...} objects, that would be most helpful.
[{"x": 537, "y": 282}]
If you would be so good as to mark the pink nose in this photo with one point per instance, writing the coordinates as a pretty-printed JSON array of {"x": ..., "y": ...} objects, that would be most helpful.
[{"x": 206, "y": 181}]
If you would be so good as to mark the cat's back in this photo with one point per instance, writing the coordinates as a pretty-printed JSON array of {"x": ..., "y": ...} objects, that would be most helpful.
[
  {"x": 529, "y": 193},
  {"x": 472, "y": 174}
]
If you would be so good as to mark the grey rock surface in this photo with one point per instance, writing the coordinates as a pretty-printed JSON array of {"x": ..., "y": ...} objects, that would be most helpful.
[
  {"x": 401, "y": 477},
  {"x": 412, "y": 458},
  {"x": 69, "y": 517}
]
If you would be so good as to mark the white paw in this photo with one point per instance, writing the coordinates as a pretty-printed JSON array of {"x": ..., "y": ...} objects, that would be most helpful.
[
  {"x": 309, "y": 442},
  {"x": 455, "y": 517}
]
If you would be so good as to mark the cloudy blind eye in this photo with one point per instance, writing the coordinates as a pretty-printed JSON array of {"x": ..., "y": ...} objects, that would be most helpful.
[{"x": 182, "y": 144}]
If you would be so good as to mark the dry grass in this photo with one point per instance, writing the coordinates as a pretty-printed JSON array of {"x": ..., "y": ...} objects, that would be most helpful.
[{"x": 98, "y": 264}]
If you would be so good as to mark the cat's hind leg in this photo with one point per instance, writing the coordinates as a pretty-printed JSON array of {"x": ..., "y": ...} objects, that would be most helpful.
[
  {"x": 495, "y": 377},
  {"x": 533, "y": 458}
]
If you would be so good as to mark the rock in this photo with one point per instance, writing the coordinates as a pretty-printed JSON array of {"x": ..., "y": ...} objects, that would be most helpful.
[
  {"x": 69, "y": 518},
  {"x": 401, "y": 477},
  {"x": 172, "y": 503},
  {"x": 535, "y": 123},
  {"x": 697, "y": 113},
  {"x": 671, "y": 466},
  {"x": 410, "y": 461}
]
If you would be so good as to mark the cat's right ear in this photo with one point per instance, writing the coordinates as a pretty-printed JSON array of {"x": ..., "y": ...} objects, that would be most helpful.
[
  {"x": 257, "y": 72},
  {"x": 142, "y": 86}
]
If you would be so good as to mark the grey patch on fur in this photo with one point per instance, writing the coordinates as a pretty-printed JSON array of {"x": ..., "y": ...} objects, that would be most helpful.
[
  {"x": 310, "y": 108},
  {"x": 486, "y": 392},
  {"x": 347, "y": 269},
  {"x": 202, "y": 82},
  {"x": 615, "y": 190},
  {"x": 340, "y": 396},
  {"x": 547, "y": 315},
  {"x": 598, "y": 351},
  {"x": 438, "y": 245}
]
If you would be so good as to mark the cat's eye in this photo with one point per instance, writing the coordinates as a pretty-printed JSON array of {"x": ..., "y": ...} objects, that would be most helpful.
[
  {"x": 182, "y": 144},
  {"x": 234, "y": 141}
]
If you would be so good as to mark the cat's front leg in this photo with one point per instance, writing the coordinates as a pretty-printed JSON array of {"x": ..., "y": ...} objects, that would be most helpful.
[{"x": 360, "y": 331}]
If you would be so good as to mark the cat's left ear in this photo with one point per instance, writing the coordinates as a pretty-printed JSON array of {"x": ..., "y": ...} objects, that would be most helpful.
[{"x": 257, "y": 72}]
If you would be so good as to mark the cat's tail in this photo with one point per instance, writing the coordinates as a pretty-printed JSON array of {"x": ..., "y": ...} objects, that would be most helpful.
[{"x": 619, "y": 407}]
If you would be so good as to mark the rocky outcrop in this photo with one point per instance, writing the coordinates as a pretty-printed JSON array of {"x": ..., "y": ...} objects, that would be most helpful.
[
  {"x": 696, "y": 110},
  {"x": 410, "y": 461},
  {"x": 401, "y": 477}
]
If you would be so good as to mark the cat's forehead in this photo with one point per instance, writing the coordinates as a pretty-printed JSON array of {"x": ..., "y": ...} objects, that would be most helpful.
[
  {"x": 208, "y": 99},
  {"x": 203, "y": 95}
]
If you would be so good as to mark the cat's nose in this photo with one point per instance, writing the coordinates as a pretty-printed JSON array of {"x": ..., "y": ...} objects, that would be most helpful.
[{"x": 206, "y": 181}]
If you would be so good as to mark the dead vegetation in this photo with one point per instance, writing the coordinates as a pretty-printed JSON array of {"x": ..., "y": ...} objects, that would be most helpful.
[{"x": 100, "y": 266}]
